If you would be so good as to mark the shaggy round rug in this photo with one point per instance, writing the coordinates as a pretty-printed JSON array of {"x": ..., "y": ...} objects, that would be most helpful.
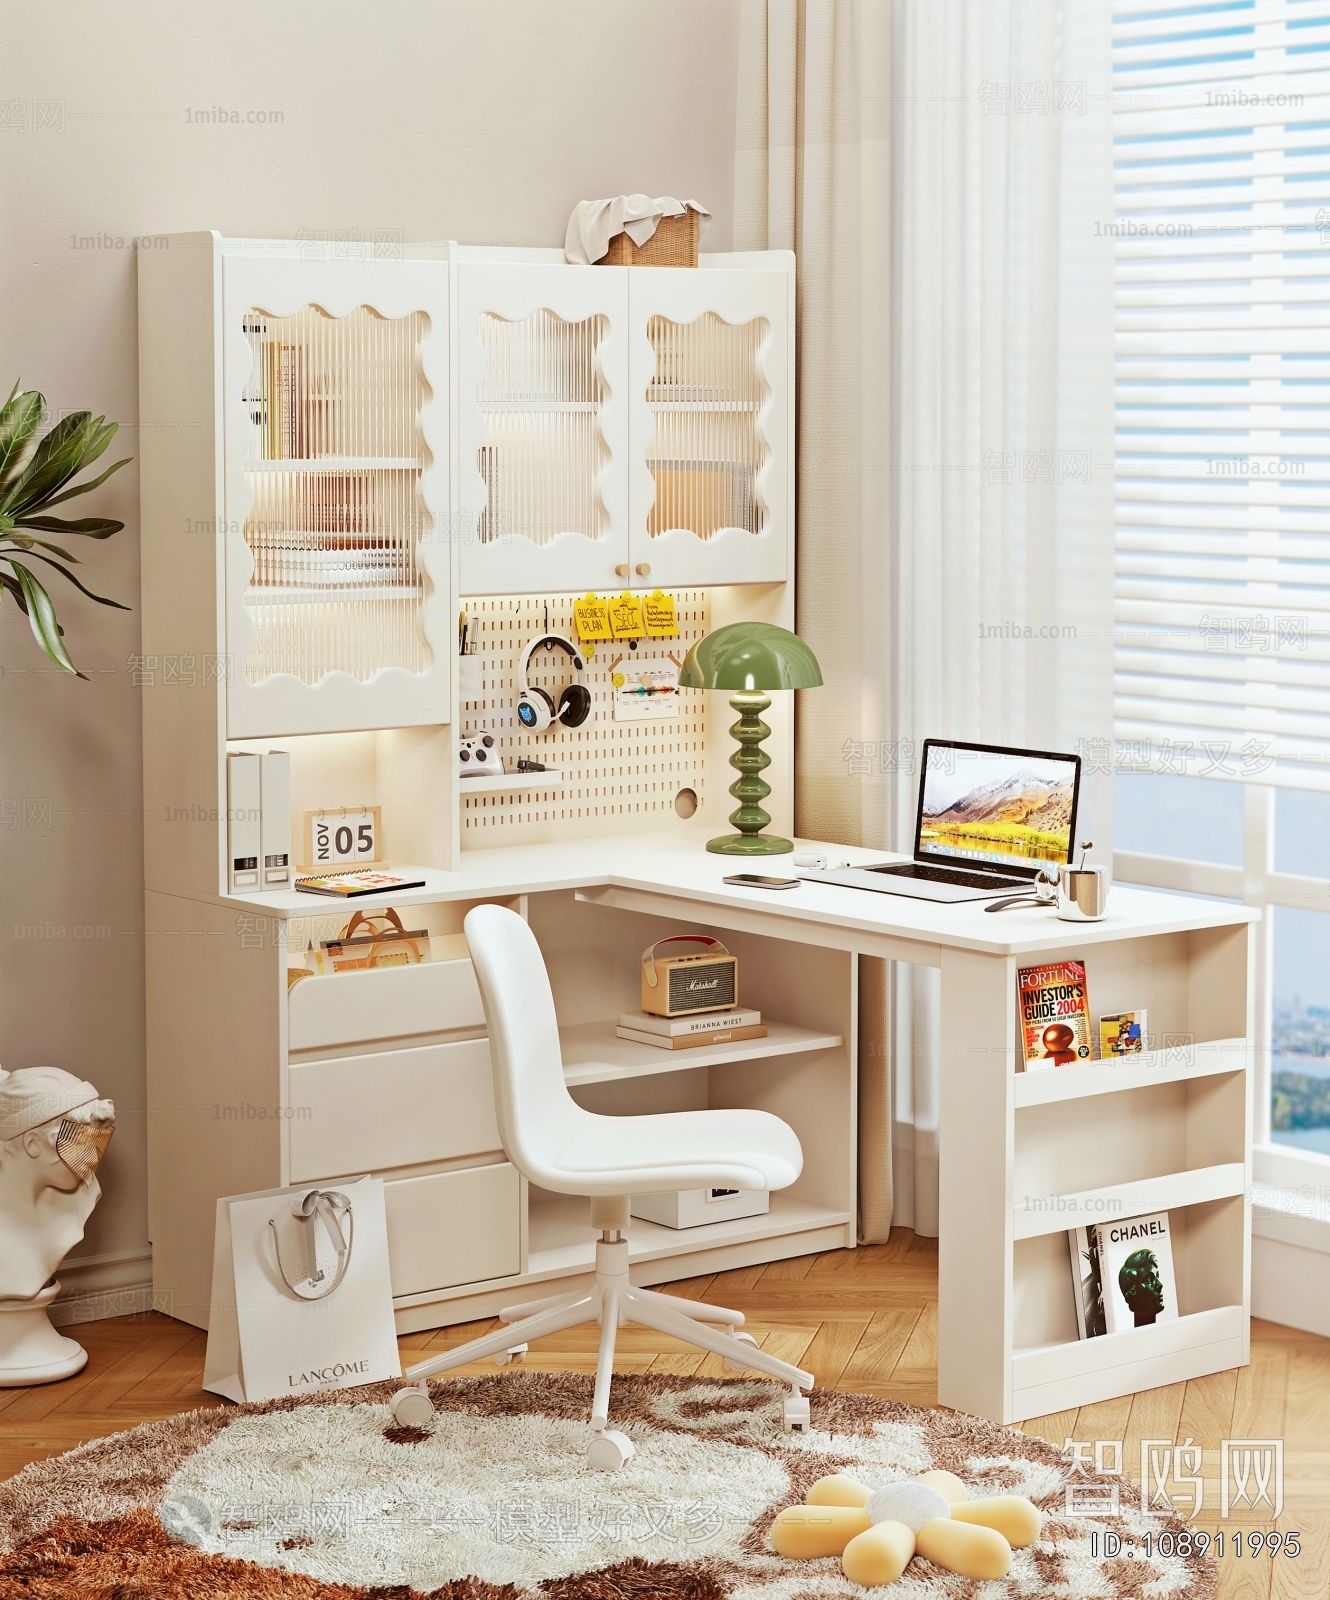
[{"x": 325, "y": 1498}]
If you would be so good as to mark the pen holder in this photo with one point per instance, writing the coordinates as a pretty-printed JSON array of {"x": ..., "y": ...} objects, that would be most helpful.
[{"x": 470, "y": 680}]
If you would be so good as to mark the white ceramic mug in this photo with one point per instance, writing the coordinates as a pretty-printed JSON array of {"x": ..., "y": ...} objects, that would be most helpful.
[{"x": 1082, "y": 893}]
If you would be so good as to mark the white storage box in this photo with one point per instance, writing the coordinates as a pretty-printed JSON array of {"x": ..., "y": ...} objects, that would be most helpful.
[{"x": 692, "y": 1208}]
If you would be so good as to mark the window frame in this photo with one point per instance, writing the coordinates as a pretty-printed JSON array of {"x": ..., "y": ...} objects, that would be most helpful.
[{"x": 1254, "y": 883}]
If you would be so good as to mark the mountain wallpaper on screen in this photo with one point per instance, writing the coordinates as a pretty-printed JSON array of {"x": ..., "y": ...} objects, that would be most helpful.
[{"x": 1025, "y": 809}]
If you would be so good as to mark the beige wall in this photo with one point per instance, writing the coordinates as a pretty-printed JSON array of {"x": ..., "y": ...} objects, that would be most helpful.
[{"x": 478, "y": 120}]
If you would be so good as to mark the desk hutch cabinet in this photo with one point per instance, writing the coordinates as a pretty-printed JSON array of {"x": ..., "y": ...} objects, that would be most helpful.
[{"x": 339, "y": 455}]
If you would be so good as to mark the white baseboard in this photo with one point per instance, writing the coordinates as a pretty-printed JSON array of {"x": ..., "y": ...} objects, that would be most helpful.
[
  {"x": 115, "y": 1285},
  {"x": 1290, "y": 1256},
  {"x": 1290, "y": 1284}
]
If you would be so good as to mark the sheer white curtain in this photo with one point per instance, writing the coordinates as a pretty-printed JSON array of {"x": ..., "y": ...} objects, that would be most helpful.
[{"x": 944, "y": 170}]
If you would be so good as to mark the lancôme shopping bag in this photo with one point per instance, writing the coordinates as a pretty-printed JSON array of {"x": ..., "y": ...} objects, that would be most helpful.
[{"x": 301, "y": 1297}]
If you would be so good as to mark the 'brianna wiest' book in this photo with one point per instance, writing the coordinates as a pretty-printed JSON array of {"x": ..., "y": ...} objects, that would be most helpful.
[{"x": 1136, "y": 1272}]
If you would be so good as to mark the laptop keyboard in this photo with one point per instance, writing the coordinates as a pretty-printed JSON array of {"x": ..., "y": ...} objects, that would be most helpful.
[{"x": 963, "y": 880}]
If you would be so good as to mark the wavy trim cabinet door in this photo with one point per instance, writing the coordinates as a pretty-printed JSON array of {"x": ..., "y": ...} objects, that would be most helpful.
[
  {"x": 711, "y": 425},
  {"x": 338, "y": 573},
  {"x": 541, "y": 497}
]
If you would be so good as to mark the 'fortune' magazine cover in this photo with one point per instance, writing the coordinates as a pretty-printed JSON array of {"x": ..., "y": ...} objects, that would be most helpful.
[{"x": 1055, "y": 1015}]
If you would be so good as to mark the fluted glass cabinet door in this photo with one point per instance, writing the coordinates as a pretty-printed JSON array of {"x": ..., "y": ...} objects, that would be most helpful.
[
  {"x": 710, "y": 368},
  {"x": 338, "y": 571},
  {"x": 541, "y": 493}
]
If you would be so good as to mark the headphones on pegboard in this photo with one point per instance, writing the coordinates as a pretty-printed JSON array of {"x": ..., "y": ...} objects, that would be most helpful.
[{"x": 536, "y": 710}]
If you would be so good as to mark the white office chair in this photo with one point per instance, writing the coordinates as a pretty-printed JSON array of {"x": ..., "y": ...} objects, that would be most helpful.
[{"x": 556, "y": 1144}]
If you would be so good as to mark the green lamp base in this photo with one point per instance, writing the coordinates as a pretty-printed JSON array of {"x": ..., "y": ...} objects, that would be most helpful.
[
  {"x": 750, "y": 789},
  {"x": 749, "y": 844}
]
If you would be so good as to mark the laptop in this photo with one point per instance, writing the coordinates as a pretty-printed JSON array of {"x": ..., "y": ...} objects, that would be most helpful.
[{"x": 989, "y": 819}]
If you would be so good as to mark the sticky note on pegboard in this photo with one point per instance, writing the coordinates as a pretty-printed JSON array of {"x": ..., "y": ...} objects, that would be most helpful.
[
  {"x": 658, "y": 615},
  {"x": 626, "y": 617},
  {"x": 591, "y": 616}
]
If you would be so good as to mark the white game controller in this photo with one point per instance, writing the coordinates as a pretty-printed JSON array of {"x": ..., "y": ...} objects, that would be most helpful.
[{"x": 478, "y": 757}]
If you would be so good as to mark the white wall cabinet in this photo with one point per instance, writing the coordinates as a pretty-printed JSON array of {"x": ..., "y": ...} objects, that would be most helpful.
[
  {"x": 339, "y": 607},
  {"x": 711, "y": 425},
  {"x": 541, "y": 494},
  {"x": 622, "y": 426}
]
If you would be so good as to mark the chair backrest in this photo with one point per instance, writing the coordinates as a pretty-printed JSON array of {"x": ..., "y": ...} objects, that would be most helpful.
[{"x": 536, "y": 1114}]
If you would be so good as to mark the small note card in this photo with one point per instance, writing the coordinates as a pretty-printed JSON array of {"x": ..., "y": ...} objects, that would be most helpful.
[{"x": 645, "y": 691}]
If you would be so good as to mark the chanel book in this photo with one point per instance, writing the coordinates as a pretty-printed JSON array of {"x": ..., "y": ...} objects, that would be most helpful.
[{"x": 1136, "y": 1272}]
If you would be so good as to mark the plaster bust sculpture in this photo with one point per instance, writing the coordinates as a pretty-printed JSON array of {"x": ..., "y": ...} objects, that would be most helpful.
[{"x": 54, "y": 1129}]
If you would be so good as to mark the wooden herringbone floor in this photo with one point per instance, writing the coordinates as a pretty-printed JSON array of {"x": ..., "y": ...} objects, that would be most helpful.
[{"x": 863, "y": 1320}]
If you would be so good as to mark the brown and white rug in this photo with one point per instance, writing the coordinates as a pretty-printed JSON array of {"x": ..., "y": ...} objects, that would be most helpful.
[{"x": 325, "y": 1498}]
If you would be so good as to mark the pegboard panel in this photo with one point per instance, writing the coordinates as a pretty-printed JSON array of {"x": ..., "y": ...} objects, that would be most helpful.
[{"x": 616, "y": 775}]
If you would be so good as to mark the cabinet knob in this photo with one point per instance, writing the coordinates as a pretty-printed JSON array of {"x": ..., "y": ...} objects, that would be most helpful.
[
  {"x": 621, "y": 571},
  {"x": 644, "y": 569}
]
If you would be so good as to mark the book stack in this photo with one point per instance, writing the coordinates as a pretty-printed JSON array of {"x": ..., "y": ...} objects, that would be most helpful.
[
  {"x": 687, "y": 1032},
  {"x": 1122, "y": 1275}
]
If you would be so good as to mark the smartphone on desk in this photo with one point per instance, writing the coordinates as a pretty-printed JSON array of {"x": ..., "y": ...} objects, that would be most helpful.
[{"x": 753, "y": 880}]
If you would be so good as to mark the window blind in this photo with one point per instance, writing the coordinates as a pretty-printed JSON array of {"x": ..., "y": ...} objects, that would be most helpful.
[{"x": 1222, "y": 239}]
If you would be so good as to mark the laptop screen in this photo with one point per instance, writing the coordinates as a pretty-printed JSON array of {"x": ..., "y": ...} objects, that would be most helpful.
[{"x": 1013, "y": 810}]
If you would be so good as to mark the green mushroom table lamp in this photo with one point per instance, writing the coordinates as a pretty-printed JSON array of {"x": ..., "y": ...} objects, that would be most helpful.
[{"x": 751, "y": 659}]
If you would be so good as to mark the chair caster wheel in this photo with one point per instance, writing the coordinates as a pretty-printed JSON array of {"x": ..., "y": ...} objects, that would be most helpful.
[
  {"x": 609, "y": 1451},
  {"x": 507, "y": 1357},
  {"x": 741, "y": 1366},
  {"x": 412, "y": 1408},
  {"x": 797, "y": 1416}
]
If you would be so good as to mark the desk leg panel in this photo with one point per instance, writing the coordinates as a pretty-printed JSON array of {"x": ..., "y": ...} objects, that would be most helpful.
[{"x": 976, "y": 1147}]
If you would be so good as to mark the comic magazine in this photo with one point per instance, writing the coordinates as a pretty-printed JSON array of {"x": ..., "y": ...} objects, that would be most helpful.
[{"x": 1055, "y": 1015}]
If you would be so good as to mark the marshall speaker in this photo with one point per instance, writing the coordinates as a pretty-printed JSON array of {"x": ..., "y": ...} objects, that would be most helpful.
[{"x": 672, "y": 986}]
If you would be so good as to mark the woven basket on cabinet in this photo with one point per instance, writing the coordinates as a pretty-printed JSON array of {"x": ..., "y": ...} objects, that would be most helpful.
[{"x": 674, "y": 244}]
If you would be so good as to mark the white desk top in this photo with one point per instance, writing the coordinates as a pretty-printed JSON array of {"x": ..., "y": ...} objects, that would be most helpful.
[{"x": 678, "y": 865}]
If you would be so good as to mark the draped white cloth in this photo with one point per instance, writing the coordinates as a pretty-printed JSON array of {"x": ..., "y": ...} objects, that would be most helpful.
[{"x": 943, "y": 168}]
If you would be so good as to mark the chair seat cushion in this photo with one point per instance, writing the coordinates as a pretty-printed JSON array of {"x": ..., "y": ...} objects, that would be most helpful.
[{"x": 679, "y": 1150}]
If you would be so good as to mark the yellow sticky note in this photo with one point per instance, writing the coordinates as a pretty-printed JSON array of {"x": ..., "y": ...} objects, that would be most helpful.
[
  {"x": 592, "y": 616},
  {"x": 658, "y": 615},
  {"x": 626, "y": 617}
]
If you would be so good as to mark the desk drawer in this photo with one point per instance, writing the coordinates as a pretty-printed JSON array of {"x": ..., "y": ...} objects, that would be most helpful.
[
  {"x": 454, "y": 1227},
  {"x": 391, "y": 1108},
  {"x": 345, "y": 1007}
]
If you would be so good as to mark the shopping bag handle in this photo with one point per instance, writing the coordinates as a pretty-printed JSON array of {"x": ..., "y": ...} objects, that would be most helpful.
[
  {"x": 361, "y": 919},
  {"x": 332, "y": 1205}
]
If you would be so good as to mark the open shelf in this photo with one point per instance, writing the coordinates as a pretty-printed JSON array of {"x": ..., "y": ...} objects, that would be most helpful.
[
  {"x": 594, "y": 1053},
  {"x": 1051, "y": 1377},
  {"x": 561, "y": 1238},
  {"x": 276, "y": 595},
  {"x": 511, "y": 782},
  {"x": 1043, "y": 1214},
  {"x": 1045, "y": 1087},
  {"x": 336, "y": 464}
]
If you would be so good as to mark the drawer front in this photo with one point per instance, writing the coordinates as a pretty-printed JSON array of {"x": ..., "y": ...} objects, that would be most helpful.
[
  {"x": 391, "y": 1108},
  {"x": 344, "y": 1007},
  {"x": 454, "y": 1227}
]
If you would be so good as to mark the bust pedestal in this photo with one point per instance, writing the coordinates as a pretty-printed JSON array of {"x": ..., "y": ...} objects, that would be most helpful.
[{"x": 31, "y": 1351}]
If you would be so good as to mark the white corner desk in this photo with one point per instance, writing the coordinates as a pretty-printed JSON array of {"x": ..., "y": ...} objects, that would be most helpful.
[{"x": 388, "y": 1072}]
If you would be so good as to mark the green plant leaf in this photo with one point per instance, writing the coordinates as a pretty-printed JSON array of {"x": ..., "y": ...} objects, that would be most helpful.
[
  {"x": 41, "y": 615},
  {"x": 82, "y": 588},
  {"x": 14, "y": 587},
  {"x": 92, "y": 483},
  {"x": 21, "y": 414},
  {"x": 89, "y": 527},
  {"x": 73, "y": 443}
]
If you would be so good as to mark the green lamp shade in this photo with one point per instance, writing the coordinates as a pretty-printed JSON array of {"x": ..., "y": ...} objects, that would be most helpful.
[
  {"x": 750, "y": 656},
  {"x": 750, "y": 659}
]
